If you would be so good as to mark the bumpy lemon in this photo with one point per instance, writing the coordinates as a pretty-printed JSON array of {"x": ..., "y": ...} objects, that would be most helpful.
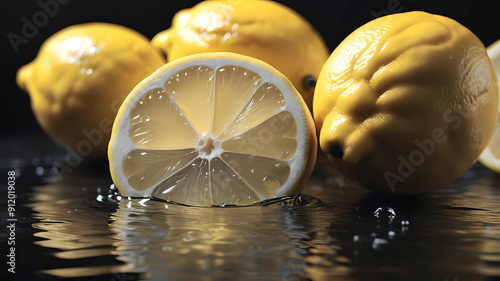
[
  {"x": 265, "y": 30},
  {"x": 406, "y": 103},
  {"x": 80, "y": 77},
  {"x": 213, "y": 129},
  {"x": 491, "y": 155}
]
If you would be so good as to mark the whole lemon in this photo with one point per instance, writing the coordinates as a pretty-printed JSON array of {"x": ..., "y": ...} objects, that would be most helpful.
[
  {"x": 406, "y": 103},
  {"x": 80, "y": 77},
  {"x": 265, "y": 30}
]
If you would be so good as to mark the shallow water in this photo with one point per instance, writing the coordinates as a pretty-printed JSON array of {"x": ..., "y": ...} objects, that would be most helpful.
[{"x": 72, "y": 225}]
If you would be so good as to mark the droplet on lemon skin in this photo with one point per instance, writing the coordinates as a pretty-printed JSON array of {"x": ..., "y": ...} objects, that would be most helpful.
[
  {"x": 407, "y": 102},
  {"x": 79, "y": 78}
]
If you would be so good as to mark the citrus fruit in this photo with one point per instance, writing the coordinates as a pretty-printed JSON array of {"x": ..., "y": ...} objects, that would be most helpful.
[
  {"x": 491, "y": 154},
  {"x": 265, "y": 30},
  {"x": 406, "y": 103},
  {"x": 213, "y": 129},
  {"x": 79, "y": 79}
]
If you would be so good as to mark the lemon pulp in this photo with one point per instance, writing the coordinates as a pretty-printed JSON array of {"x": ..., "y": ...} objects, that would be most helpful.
[
  {"x": 490, "y": 157},
  {"x": 213, "y": 136}
]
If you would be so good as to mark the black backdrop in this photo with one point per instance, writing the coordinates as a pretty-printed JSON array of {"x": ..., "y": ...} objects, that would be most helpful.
[{"x": 334, "y": 19}]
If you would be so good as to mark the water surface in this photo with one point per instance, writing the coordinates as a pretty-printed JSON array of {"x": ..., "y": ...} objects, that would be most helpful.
[{"x": 75, "y": 226}]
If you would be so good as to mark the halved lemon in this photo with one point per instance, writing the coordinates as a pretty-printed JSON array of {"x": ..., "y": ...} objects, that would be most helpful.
[
  {"x": 213, "y": 129},
  {"x": 490, "y": 157}
]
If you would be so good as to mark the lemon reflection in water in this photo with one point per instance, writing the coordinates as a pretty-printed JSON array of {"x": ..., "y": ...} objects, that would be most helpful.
[
  {"x": 159, "y": 240},
  {"x": 447, "y": 234},
  {"x": 189, "y": 243}
]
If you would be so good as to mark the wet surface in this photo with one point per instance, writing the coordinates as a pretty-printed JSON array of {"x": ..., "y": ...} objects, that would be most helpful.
[{"x": 72, "y": 225}]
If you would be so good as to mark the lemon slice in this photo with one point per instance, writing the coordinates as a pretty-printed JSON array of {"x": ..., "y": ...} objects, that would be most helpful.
[
  {"x": 490, "y": 157},
  {"x": 213, "y": 129}
]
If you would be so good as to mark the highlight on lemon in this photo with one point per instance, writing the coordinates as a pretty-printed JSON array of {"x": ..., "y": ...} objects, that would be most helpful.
[
  {"x": 491, "y": 155},
  {"x": 213, "y": 129},
  {"x": 406, "y": 103},
  {"x": 80, "y": 77},
  {"x": 265, "y": 30}
]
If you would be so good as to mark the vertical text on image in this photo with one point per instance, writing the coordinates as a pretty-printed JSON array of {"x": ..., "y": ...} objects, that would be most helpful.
[{"x": 11, "y": 221}]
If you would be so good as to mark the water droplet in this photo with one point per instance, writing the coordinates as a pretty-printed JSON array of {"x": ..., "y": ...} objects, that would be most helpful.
[
  {"x": 54, "y": 171},
  {"x": 355, "y": 238},
  {"x": 226, "y": 36},
  {"x": 384, "y": 213},
  {"x": 330, "y": 180},
  {"x": 160, "y": 235},
  {"x": 271, "y": 184},
  {"x": 391, "y": 234},
  {"x": 378, "y": 242},
  {"x": 39, "y": 170},
  {"x": 404, "y": 225},
  {"x": 143, "y": 201}
]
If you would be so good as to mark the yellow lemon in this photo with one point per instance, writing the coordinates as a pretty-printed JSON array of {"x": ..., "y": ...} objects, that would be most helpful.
[
  {"x": 491, "y": 155},
  {"x": 265, "y": 30},
  {"x": 406, "y": 103},
  {"x": 213, "y": 129},
  {"x": 79, "y": 79}
]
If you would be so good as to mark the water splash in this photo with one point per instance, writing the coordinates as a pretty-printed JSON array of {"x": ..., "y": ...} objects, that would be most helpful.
[{"x": 384, "y": 213}]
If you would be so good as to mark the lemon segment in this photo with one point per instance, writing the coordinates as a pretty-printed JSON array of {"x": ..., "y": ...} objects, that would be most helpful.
[
  {"x": 192, "y": 91},
  {"x": 276, "y": 137},
  {"x": 146, "y": 168},
  {"x": 231, "y": 80},
  {"x": 213, "y": 129},
  {"x": 148, "y": 128},
  {"x": 264, "y": 103},
  {"x": 490, "y": 157}
]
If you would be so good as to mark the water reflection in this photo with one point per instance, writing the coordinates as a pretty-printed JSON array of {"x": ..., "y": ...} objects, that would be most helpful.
[
  {"x": 203, "y": 243},
  {"x": 450, "y": 234}
]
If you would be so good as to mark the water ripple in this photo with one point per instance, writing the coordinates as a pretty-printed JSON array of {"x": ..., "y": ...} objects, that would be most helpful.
[{"x": 332, "y": 231}]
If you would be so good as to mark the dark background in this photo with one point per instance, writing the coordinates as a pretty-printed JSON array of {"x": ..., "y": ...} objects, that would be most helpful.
[{"x": 333, "y": 19}]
